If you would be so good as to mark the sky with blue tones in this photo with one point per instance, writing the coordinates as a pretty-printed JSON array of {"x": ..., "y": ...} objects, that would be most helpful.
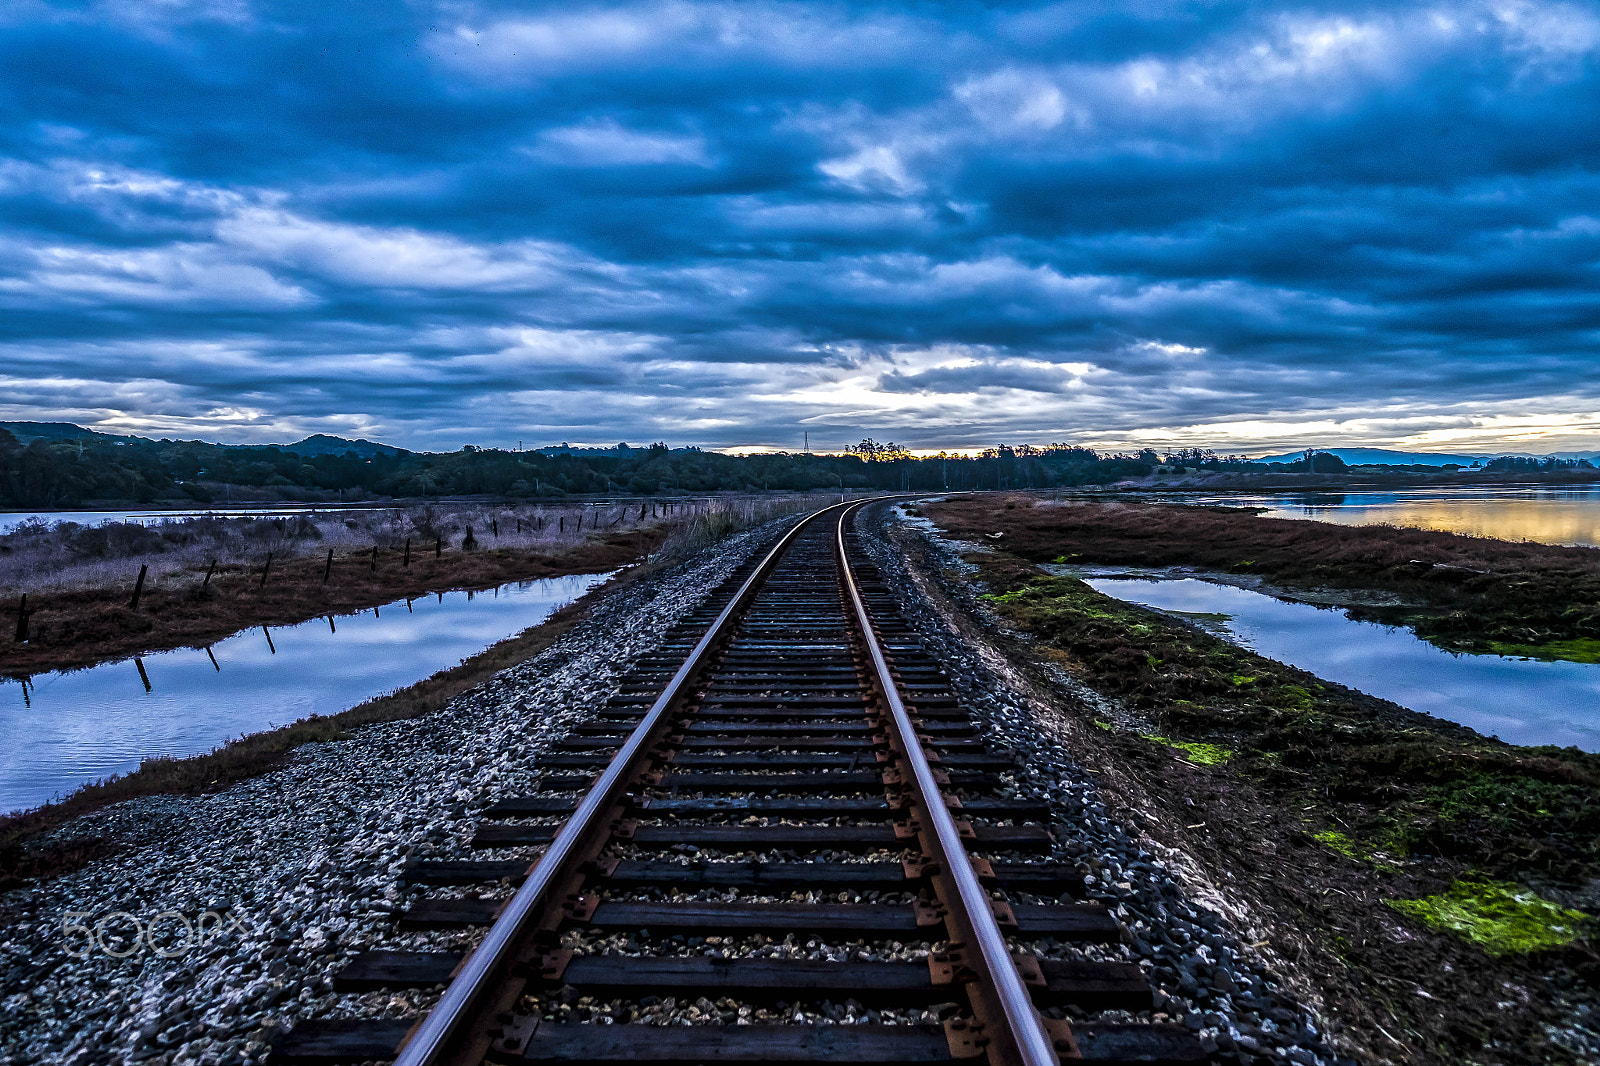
[{"x": 1246, "y": 225}]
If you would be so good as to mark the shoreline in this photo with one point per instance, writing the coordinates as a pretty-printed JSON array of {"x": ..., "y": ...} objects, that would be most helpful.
[
  {"x": 87, "y": 627},
  {"x": 257, "y": 753}
]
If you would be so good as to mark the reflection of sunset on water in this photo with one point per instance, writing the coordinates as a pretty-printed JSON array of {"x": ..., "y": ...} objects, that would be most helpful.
[{"x": 1569, "y": 516}]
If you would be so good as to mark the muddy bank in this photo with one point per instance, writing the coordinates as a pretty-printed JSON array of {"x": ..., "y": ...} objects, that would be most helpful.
[
  {"x": 79, "y": 628},
  {"x": 1462, "y": 593},
  {"x": 1436, "y": 890}
]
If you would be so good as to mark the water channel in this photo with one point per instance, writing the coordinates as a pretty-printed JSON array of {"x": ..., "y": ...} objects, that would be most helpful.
[
  {"x": 66, "y": 729},
  {"x": 12, "y": 520},
  {"x": 1519, "y": 700}
]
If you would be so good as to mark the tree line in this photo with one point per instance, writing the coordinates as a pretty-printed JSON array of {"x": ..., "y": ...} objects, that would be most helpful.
[{"x": 70, "y": 472}]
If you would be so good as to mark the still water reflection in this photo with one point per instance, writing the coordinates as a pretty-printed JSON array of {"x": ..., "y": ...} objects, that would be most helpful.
[
  {"x": 10, "y": 520},
  {"x": 1551, "y": 516},
  {"x": 62, "y": 730},
  {"x": 1520, "y": 701}
]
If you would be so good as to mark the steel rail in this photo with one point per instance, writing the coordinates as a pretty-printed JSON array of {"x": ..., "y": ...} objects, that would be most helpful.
[
  {"x": 431, "y": 1043},
  {"x": 1023, "y": 1028}
]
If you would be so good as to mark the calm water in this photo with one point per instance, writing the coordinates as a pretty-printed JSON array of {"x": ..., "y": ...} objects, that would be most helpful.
[
  {"x": 65, "y": 729},
  {"x": 1520, "y": 701},
  {"x": 10, "y": 520},
  {"x": 1549, "y": 515}
]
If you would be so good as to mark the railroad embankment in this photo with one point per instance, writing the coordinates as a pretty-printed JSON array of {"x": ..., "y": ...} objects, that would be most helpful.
[{"x": 1415, "y": 873}]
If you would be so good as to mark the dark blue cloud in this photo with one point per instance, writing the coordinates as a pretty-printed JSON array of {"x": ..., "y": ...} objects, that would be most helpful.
[{"x": 1234, "y": 223}]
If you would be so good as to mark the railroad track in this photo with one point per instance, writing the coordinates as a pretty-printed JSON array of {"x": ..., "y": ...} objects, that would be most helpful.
[{"x": 787, "y": 819}]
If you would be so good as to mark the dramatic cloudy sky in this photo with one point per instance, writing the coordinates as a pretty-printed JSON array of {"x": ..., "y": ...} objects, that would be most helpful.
[{"x": 1242, "y": 224}]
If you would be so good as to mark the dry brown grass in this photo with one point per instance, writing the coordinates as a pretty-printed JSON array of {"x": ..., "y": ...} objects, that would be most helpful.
[{"x": 74, "y": 626}]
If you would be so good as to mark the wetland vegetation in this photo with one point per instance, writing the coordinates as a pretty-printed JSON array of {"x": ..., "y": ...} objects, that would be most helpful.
[
  {"x": 1359, "y": 824},
  {"x": 1462, "y": 593}
]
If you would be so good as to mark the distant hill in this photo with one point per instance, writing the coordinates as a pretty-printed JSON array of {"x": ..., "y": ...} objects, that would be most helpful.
[
  {"x": 31, "y": 431},
  {"x": 323, "y": 444},
  {"x": 1384, "y": 457}
]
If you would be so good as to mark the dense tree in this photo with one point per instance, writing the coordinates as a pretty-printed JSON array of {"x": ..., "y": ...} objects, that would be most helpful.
[{"x": 62, "y": 472}]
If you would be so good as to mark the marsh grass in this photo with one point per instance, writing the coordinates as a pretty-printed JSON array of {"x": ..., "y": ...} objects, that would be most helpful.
[
  {"x": 1476, "y": 594},
  {"x": 81, "y": 556},
  {"x": 209, "y": 577}
]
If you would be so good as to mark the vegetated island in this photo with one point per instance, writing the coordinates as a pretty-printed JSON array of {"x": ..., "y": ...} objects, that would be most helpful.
[{"x": 1417, "y": 869}]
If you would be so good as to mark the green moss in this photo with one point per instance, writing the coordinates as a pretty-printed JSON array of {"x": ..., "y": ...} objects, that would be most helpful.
[
  {"x": 1500, "y": 917},
  {"x": 1107, "y": 726},
  {"x": 1241, "y": 679},
  {"x": 1200, "y": 754},
  {"x": 1345, "y": 846},
  {"x": 1581, "y": 650},
  {"x": 1294, "y": 697}
]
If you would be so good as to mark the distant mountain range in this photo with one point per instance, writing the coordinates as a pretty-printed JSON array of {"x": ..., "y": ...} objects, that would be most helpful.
[
  {"x": 1389, "y": 457},
  {"x": 317, "y": 444}
]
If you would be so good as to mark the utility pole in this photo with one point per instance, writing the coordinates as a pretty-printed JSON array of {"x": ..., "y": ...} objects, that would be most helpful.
[{"x": 808, "y": 442}]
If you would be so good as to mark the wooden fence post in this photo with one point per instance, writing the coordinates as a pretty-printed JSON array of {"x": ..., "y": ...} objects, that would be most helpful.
[
  {"x": 327, "y": 568},
  {"x": 265, "y": 570},
  {"x": 374, "y": 558},
  {"x": 22, "y": 620},
  {"x": 438, "y": 546},
  {"x": 209, "y": 571},
  {"x": 138, "y": 588}
]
